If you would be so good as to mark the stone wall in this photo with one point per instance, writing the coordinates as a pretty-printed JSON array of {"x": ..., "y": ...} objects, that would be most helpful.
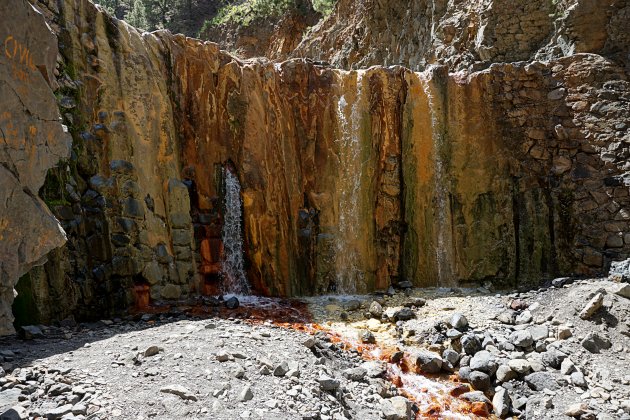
[
  {"x": 351, "y": 180},
  {"x": 466, "y": 35}
]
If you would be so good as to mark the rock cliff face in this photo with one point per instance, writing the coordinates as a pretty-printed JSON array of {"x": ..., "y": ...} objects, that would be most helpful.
[
  {"x": 464, "y": 34},
  {"x": 273, "y": 37},
  {"x": 32, "y": 140},
  {"x": 351, "y": 180}
]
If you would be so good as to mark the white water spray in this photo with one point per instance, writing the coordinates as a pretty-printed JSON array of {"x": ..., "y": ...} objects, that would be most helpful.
[{"x": 233, "y": 265}]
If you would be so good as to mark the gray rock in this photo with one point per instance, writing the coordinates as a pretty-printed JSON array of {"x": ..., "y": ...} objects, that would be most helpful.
[
  {"x": 576, "y": 410},
  {"x": 396, "y": 408},
  {"x": 367, "y": 337},
  {"x": 376, "y": 310},
  {"x": 501, "y": 403},
  {"x": 506, "y": 346},
  {"x": 505, "y": 374},
  {"x": 171, "y": 291},
  {"x": 356, "y": 374},
  {"x": 246, "y": 394},
  {"x": 483, "y": 361},
  {"x": 577, "y": 379},
  {"x": 453, "y": 333},
  {"x": 553, "y": 358},
  {"x": 281, "y": 369},
  {"x": 79, "y": 409},
  {"x": 538, "y": 332},
  {"x": 309, "y": 343},
  {"x": 623, "y": 290},
  {"x": 352, "y": 305},
  {"x": 524, "y": 317},
  {"x": 403, "y": 314},
  {"x": 487, "y": 342},
  {"x": 58, "y": 389},
  {"x": 595, "y": 343},
  {"x": 592, "y": 306},
  {"x": 450, "y": 356},
  {"x": 620, "y": 270},
  {"x": 232, "y": 303},
  {"x": 29, "y": 332},
  {"x": 464, "y": 374},
  {"x": 507, "y": 317},
  {"x": 58, "y": 412},
  {"x": 561, "y": 281},
  {"x": 405, "y": 284},
  {"x": 238, "y": 371},
  {"x": 459, "y": 322},
  {"x": 567, "y": 367},
  {"x": 428, "y": 362},
  {"x": 479, "y": 380},
  {"x": 475, "y": 396},
  {"x": 539, "y": 381},
  {"x": 374, "y": 369},
  {"x": 180, "y": 391},
  {"x": 520, "y": 366},
  {"x": 14, "y": 413},
  {"x": 521, "y": 338},
  {"x": 563, "y": 333},
  {"x": 470, "y": 344},
  {"x": 151, "y": 351},
  {"x": 222, "y": 356},
  {"x": 327, "y": 383},
  {"x": 9, "y": 398}
]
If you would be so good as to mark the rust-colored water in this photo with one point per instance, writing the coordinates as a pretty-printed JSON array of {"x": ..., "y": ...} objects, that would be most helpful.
[{"x": 435, "y": 396}]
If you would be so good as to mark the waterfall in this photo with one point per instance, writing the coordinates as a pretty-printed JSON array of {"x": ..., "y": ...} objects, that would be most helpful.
[
  {"x": 232, "y": 264},
  {"x": 347, "y": 258},
  {"x": 444, "y": 245}
]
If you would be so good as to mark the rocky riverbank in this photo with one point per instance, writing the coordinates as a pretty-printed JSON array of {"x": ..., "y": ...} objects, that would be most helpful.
[{"x": 557, "y": 352}]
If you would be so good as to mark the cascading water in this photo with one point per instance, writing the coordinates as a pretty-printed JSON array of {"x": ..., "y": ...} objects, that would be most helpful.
[
  {"x": 347, "y": 264},
  {"x": 232, "y": 264},
  {"x": 444, "y": 239}
]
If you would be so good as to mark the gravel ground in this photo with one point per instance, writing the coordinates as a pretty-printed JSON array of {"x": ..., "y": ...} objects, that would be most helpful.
[{"x": 180, "y": 365}]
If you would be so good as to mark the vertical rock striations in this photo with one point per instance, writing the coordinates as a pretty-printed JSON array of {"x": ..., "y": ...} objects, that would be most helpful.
[
  {"x": 32, "y": 140},
  {"x": 350, "y": 180}
]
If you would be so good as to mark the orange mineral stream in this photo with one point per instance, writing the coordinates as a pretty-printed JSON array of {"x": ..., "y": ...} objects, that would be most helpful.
[{"x": 435, "y": 396}]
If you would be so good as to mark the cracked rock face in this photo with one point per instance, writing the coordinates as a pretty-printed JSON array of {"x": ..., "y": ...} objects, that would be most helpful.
[
  {"x": 32, "y": 140},
  {"x": 350, "y": 180}
]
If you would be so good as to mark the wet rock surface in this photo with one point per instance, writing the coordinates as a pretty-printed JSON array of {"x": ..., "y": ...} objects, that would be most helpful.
[
  {"x": 536, "y": 368},
  {"x": 178, "y": 366},
  {"x": 141, "y": 202}
]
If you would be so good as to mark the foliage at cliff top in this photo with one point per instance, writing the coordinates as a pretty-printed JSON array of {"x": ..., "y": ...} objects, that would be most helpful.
[
  {"x": 244, "y": 13},
  {"x": 178, "y": 16},
  {"x": 188, "y": 16}
]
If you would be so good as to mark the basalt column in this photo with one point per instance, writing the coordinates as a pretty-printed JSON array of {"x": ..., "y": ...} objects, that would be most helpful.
[{"x": 457, "y": 190}]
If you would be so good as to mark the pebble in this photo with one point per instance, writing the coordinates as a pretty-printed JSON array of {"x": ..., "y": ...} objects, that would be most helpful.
[
  {"x": 459, "y": 322},
  {"x": 179, "y": 390},
  {"x": 501, "y": 403},
  {"x": 592, "y": 306},
  {"x": 246, "y": 394}
]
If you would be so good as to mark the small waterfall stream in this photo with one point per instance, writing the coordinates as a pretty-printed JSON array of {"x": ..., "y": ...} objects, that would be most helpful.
[
  {"x": 233, "y": 264},
  {"x": 347, "y": 258}
]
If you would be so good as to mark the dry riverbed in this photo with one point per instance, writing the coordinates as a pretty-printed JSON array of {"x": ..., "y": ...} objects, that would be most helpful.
[{"x": 530, "y": 354}]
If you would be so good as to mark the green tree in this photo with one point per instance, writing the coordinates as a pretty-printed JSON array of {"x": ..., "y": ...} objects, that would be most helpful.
[
  {"x": 137, "y": 15},
  {"x": 325, "y": 7}
]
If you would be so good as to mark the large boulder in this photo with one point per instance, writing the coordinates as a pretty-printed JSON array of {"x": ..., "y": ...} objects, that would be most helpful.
[{"x": 33, "y": 141}]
